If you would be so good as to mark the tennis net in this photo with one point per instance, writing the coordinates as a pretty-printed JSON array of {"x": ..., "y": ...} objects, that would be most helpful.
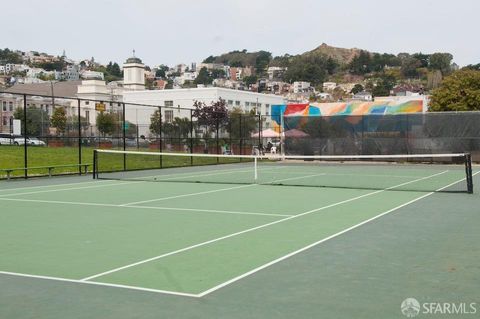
[{"x": 428, "y": 172}]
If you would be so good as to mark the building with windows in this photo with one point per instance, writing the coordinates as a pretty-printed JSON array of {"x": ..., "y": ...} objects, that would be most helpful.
[{"x": 179, "y": 103}]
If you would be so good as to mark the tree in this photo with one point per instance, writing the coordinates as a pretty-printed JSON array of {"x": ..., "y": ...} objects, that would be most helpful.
[
  {"x": 423, "y": 59},
  {"x": 338, "y": 93},
  {"x": 44, "y": 77},
  {"x": 442, "y": 62},
  {"x": 37, "y": 120},
  {"x": 357, "y": 89},
  {"x": 210, "y": 59},
  {"x": 182, "y": 126},
  {"x": 155, "y": 122},
  {"x": 59, "y": 120},
  {"x": 241, "y": 124},
  {"x": 217, "y": 73},
  {"x": 114, "y": 69},
  {"x": 313, "y": 69},
  {"x": 262, "y": 61},
  {"x": 8, "y": 56},
  {"x": 458, "y": 92},
  {"x": 410, "y": 67},
  {"x": 161, "y": 71},
  {"x": 213, "y": 116},
  {"x": 106, "y": 123},
  {"x": 84, "y": 122},
  {"x": 434, "y": 78},
  {"x": 473, "y": 67},
  {"x": 203, "y": 77},
  {"x": 384, "y": 85},
  {"x": 361, "y": 63},
  {"x": 249, "y": 80}
]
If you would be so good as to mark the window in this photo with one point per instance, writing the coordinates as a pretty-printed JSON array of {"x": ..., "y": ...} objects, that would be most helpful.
[
  {"x": 169, "y": 116},
  {"x": 168, "y": 103},
  {"x": 4, "y": 120},
  {"x": 247, "y": 103},
  {"x": 87, "y": 102},
  {"x": 237, "y": 103},
  {"x": 87, "y": 116},
  {"x": 4, "y": 105},
  {"x": 10, "y": 105},
  {"x": 230, "y": 102}
]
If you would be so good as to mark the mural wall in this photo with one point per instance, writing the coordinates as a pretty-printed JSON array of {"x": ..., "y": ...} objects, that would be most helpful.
[{"x": 347, "y": 108}]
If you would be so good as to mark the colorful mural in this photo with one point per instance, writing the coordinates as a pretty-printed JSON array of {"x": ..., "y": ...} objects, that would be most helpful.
[{"x": 347, "y": 108}]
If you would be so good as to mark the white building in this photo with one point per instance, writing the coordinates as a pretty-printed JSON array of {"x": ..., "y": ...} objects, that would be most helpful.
[
  {"x": 275, "y": 72},
  {"x": 363, "y": 96},
  {"x": 91, "y": 75},
  {"x": 301, "y": 87},
  {"x": 134, "y": 74},
  {"x": 93, "y": 91},
  {"x": 329, "y": 86},
  {"x": 70, "y": 73},
  {"x": 179, "y": 102}
]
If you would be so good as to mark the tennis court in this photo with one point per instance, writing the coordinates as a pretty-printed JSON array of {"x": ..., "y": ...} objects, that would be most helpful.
[{"x": 205, "y": 241}]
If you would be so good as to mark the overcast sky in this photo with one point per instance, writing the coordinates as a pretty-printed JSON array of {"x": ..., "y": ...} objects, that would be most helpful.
[{"x": 184, "y": 31}]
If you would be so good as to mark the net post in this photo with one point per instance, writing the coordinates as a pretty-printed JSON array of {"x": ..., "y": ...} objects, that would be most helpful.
[
  {"x": 468, "y": 171},
  {"x": 95, "y": 164}
]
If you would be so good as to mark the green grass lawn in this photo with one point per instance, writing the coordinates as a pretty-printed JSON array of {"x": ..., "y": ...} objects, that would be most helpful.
[{"x": 13, "y": 157}]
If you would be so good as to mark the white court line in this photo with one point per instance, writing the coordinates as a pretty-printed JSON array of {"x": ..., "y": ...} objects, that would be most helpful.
[
  {"x": 145, "y": 207},
  {"x": 187, "y": 195},
  {"x": 43, "y": 186},
  {"x": 273, "y": 262},
  {"x": 168, "y": 292},
  {"x": 213, "y": 289},
  {"x": 212, "y": 191},
  {"x": 248, "y": 230},
  {"x": 292, "y": 178},
  {"x": 196, "y": 167},
  {"x": 71, "y": 188}
]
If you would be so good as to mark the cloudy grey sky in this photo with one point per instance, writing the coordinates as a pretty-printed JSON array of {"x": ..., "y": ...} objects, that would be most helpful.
[{"x": 184, "y": 31}]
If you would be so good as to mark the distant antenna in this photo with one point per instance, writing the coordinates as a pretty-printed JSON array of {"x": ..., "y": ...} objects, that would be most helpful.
[{"x": 133, "y": 52}]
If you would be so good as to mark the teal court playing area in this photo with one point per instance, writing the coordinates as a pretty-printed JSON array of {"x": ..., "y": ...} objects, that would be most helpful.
[{"x": 278, "y": 240}]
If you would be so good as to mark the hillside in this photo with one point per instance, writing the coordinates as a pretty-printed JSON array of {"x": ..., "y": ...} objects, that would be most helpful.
[{"x": 340, "y": 55}]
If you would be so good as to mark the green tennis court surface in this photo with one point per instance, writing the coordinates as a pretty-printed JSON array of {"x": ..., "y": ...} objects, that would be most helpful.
[{"x": 227, "y": 248}]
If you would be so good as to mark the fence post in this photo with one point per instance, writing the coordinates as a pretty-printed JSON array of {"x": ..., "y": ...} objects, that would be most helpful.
[
  {"x": 191, "y": 137},
  {"x": 124, "y": 129},
  {"x": 79, "y": 138},
  {"x": 216, "y": 138},
  {"x": 363, "y": 136},
  {"x": 160, "y": 135},
  {"x": 240, "y": 135},
  {"x": 259, "y": 132},
  {"x": 25, "y": 148}
]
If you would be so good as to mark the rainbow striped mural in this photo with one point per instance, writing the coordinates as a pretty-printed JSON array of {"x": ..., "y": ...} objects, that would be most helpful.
[{"x": 347, "y": 108}]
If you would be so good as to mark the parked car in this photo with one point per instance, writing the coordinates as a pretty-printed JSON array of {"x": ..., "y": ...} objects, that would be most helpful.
[
  {"x": 20, "y": 140},
  {"x": 6, "y": 139},
  {"x": 35, "y": 141}
]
